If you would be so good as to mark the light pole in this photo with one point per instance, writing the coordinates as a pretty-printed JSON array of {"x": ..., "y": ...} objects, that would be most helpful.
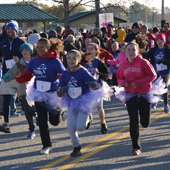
[{"x": 162, "y": 15}]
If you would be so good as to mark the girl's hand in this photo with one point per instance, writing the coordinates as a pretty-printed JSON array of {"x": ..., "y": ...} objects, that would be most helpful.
[
  {"x": 96, "y": 70},
  {"x": 133, "y": 85},
  {"x": 126, "y": 85},
  {"x": 17, "y": 74},
  {"x": 93, "y": 85}
]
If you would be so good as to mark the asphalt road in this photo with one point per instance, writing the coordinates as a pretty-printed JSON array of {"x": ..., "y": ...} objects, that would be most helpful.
[{"x": 111, "y": 151}]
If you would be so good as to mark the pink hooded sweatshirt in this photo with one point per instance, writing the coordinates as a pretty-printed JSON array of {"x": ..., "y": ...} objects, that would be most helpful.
[
  {"x": 140, "y": 72},
  {"x": 121, "y": 58}
]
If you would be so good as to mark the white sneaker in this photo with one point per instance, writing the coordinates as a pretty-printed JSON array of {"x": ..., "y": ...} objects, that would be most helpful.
[
  {"x": 15, "y": 114},
  {"x": 45, "y": 150}
]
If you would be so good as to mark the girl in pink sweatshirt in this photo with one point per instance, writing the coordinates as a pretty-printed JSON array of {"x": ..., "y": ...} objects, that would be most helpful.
[{"x": 115, "y": 64}]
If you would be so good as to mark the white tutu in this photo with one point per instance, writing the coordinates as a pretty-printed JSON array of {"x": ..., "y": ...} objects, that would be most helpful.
[
  {"x": 158, "y": 88},
  {"x": 50, "y": 98}
]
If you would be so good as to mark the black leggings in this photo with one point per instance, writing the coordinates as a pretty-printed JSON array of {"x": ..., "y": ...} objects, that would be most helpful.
[
  {"x": 43, "y": 125},
  {"x": 135, "y": 105}
]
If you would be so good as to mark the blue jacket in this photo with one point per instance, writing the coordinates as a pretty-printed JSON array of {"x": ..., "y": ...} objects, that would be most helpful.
[
  {"x": 8, "y": 52},
  {"x": 130, "y": 37}
]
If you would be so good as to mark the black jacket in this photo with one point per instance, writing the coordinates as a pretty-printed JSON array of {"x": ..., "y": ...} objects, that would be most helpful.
[{"x": 151, "y": 52}]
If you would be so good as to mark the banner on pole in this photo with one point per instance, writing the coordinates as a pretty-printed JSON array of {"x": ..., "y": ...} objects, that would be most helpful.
[{"x": 106, "y": 19}]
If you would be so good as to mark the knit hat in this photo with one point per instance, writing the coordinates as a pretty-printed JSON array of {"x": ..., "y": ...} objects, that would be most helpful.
[
  {"x": 27, "y": 46},
  {"x": 135, "y": 25},
  {"x": 161, "y": 36},
  {"x": 96, "y": 41},
  {"x": 52, "y": 34},
  {"x": 58, "y": 28},
  {"x": 33, "y": 39},
  {"x": 144, "y": 26},
  {"x": 13, "y": 24}
]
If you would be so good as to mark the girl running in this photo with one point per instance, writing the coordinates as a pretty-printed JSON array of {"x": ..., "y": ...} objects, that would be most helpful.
[{"x": 46, "y": 67}]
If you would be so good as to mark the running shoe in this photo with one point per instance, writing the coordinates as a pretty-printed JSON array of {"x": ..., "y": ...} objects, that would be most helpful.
[
  {"x": 136, "y": 151},
  {"x": 5, "y": 128},
  {"x": 31, "y": 135},
  {"x": 104, "y": 128},
  {"x": 90, "y": 121},
  {"x": 166, "y": 108},
  {"x": 15, "y": 114},
  {"x": 76, "y": 151},
  {"x": 45, "y": 151},
  {"x": 153, "y": 105}
]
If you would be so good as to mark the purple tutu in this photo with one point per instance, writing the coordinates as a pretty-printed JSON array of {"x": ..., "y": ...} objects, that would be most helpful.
[
  {"x": 50, "y": 98},
  {"x": 112, "y": 69},
  {"x": 87, "y": 103},
  {"x": 158, "y": 88}
]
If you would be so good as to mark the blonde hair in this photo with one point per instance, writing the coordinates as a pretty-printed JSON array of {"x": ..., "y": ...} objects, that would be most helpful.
[{"x": 70, "y": 39}]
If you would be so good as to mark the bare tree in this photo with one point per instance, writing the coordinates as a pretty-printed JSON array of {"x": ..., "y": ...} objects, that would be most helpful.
[{"x": 69, "y": 9}]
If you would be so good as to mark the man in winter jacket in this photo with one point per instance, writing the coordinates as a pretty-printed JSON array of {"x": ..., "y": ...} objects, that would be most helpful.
[
  {"x": 9, "y": 54},
  {"x": 135, "y": 31}
]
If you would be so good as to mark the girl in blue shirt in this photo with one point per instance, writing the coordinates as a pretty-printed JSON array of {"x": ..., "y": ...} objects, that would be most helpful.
[
  {"x": 77, "y": 97},
  {"x": 45, "y": 67}
]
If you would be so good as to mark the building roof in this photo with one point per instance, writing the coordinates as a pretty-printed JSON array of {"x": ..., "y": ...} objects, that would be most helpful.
[
  {"x": 24, "y": 13},
  {"x": 81, "y": 15}
]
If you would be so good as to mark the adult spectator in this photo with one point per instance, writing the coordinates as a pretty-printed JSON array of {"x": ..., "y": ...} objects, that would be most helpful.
[
  {"x": 150, "y": 37},
  {"x": 9, "y": 49},
  {"x": 20, "y": 33},
  {"x": 33, "y": 39},
  {"x": 59, "y": 31},
  {"x": 3, "y": 36},
  {"x": 156, "y": 30},
  {"x": 135, "y": 31},
  {"x": 52, "y": 34},
  {"x": 69, "y": 31},
  {"x": 68, "y": 46},
  {"x": 43, "y": 35},
  {"x": 166, "y": 27}
]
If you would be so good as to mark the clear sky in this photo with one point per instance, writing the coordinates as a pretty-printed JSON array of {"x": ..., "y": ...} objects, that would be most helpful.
[{"x": 154, "y": 3}]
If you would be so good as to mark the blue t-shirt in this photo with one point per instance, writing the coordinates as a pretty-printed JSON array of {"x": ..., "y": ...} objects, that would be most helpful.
[
  {"x": 46, "y": 70},
  {"x": 115, "y": 55},
  {"x": 160, "y": 55},
  {"x": 76, "y": 79},
  {"x": 91, "y": 67}
]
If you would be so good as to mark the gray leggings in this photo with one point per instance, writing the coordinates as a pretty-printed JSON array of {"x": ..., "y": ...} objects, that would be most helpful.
[{"x": 76, "y": 121}]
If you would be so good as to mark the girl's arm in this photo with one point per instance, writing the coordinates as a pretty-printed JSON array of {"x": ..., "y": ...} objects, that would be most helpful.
[
  {"x": 24, "y": 78},
  {"x": 10, "y": 74}
]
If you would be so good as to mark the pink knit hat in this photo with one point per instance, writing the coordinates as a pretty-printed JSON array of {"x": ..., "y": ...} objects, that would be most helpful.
[{"x": 161, "y": 36}]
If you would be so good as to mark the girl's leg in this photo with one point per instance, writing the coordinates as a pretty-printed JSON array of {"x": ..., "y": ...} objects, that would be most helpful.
[
  {"x": 145, "y": 112},
  {"x": 102, "y": 117},
  {"x": 71, "y": 125},
  {"x": 6, "y": 107},
  {"x": 55, "y": 119},
  {"x": 28, "y": 114},
  {"x": 43, "y": 125},
  {"x": 82, "y": 121},
  {"x": 132, "y": 108}
]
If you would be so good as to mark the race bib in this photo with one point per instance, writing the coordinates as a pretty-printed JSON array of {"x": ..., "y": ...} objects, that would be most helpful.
[
  {"x": 43, "y": 86},
  {"x": 74, "y": 92},
  {"x": 161, "y": 67},
  {"x": 9, "y": 63}
]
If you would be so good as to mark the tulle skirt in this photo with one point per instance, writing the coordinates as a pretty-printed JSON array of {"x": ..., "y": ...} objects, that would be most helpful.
[
  {"x": 158, "y": 88},
  {"x": 51, "y": 99},
  {"x": 87, "y": 103},
  {"x": 112, "y": 69}
]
